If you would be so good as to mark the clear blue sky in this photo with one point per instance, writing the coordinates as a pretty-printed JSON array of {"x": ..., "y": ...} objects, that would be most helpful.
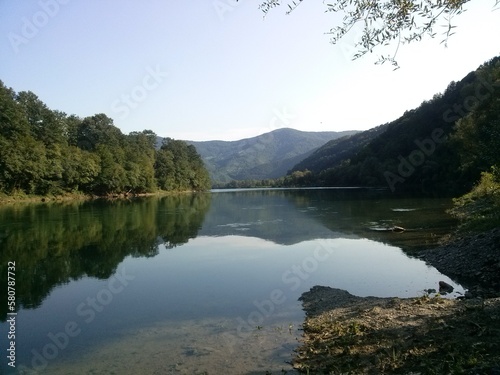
[{"x": 203, "y": 69}]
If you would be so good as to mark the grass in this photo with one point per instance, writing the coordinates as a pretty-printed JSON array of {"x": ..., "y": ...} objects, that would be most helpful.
[{"x": 479, "y": 210}]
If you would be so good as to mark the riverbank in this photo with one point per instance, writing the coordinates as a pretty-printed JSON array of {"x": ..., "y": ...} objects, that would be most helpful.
[
  {"x": 472, "y": 260},
  {"x": 426, "y": 335},
  {"x": 25, "y": 198},
  {"x": 67, "y": 197}
]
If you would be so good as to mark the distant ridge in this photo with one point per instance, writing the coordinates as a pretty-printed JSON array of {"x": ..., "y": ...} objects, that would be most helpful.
[{"x": 268, "y": 155}]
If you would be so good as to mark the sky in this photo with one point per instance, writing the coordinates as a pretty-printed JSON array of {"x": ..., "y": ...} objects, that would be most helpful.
[{"x": 218, "y": 70}]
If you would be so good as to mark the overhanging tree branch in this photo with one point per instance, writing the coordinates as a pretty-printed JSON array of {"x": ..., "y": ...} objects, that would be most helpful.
[{"x": 386, "y": 21}]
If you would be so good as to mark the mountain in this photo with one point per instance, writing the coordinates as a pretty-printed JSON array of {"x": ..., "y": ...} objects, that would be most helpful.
[
  {"x": 337, "y": 150},
  {"x": 269, "y": 155},
  {"x": 441, "y": 146}
]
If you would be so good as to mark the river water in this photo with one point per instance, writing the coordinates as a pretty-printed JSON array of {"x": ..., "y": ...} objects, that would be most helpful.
[{"x": 199, "y": 284}]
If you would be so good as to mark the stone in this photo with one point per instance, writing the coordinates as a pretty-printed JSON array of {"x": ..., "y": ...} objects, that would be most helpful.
[{"x": 444, "y": 287}]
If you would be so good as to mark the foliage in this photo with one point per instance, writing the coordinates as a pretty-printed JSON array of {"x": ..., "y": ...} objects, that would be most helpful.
[
  {"x": 450, "y": 139},
  {"x": 178, "y": 166},
  {"x": 47, "y": 152},
  {"x": 477, "y": 135},
  {"x": 479, "y": 209},
  {"x": 402, "y": 21}
]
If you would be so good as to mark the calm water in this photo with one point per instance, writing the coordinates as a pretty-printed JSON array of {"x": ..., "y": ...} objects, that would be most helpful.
[{"x": 199, "y": 284}]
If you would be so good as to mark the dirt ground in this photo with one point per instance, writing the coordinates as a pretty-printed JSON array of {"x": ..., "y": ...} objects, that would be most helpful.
[{"x": 345, "y": 334}]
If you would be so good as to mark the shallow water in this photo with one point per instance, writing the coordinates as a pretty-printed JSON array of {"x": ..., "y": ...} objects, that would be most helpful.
[{"x": 200, "y": 284}]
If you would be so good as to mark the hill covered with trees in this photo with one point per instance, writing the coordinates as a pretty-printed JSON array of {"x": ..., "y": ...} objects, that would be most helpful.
[
  {"x": 44, "y": 151},
  {"x": 443, "y": 145},
  {"x": 265, "y": 156}
]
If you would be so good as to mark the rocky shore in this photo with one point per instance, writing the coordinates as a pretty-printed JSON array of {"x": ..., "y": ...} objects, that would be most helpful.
[
  {"x": 346, "y": 334},
  {"x": 473, "y": 261}
]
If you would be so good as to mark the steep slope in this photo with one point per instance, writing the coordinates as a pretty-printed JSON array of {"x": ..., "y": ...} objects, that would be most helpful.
[
  {"x": 335, "y": 151},
  {"x": 418, "y": 151},
  {"x": 269, "y": 155}
]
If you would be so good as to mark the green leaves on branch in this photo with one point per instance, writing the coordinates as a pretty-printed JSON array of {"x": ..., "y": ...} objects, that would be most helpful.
[{"x": 384, "y": 22}]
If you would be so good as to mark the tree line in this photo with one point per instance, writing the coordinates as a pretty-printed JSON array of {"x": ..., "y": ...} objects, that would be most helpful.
[{"x": 44, "y": 151}]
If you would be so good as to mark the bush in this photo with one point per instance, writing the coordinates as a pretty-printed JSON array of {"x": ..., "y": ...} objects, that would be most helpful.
[{"x": 479, "y": 209}]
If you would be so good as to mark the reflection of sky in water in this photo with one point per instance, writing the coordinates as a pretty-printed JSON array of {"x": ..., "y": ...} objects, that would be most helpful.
[{"x": 224, "y": 278}]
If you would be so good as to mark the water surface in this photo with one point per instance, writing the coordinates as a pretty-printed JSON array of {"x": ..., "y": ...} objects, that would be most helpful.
[{"x": 200, "y": 283}]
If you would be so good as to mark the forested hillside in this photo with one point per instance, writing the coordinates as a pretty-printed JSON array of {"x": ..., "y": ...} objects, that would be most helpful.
[
  {"x": 266, "y": 156},
  {"x": 443, "y": 145},
  {"x": 337, "y": 150},
  {"x": 44, "y": 151}
]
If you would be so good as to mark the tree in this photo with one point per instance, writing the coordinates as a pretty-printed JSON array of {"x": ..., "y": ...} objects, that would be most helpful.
[
  {"x": 13, "y": 122},
  {"x": 477, "y": 135},
  {"x": 178, "y": 166},
  {"x": 139, "y": 161},
  {"x": 45, "y": 125},
  {"x": 44, "y": 151},
  {"x": 80, "y": 168},
  {"x": 165, "y": 170},
  {"x": 403, "y": 21},
  {"x": 98, "y": 129},
  {"x": 112, "y": 177},
  {"x": 23, "y": 161}
]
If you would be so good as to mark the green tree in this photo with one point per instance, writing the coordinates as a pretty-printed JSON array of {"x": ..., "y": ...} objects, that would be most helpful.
[
  {"x": 98, "y": 129},
  {"x": 139, "y": 163},
  {"x": 165, "y": 170},
  {"x": 477, "y": 136},
  {"x": 13, "y": 122},
  {"x": 47, "y": 152},
  {"x": 45, "y": 125},
  {"x": 80, "y": 169},
  {"x": 178, "y": 165},
  {"x": 23, "y": 160},
  {"x": 112, "y": 177}
]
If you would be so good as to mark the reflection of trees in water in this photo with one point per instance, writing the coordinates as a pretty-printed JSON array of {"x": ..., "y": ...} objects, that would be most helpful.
[
  {"x": 365, "y": 213},
  {"x": 292, "y": 216},
  {"x": 53, "y": 244}
]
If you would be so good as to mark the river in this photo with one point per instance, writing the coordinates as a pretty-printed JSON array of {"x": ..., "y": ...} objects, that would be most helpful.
[{"x": 199, "y": 284}]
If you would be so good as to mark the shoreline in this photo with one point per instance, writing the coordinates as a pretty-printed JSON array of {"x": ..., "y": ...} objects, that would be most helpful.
[
  {"x": 344, "y": 333},
  {"x": 472, "y": 260},
  {"x": 75, "y": 197}
]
